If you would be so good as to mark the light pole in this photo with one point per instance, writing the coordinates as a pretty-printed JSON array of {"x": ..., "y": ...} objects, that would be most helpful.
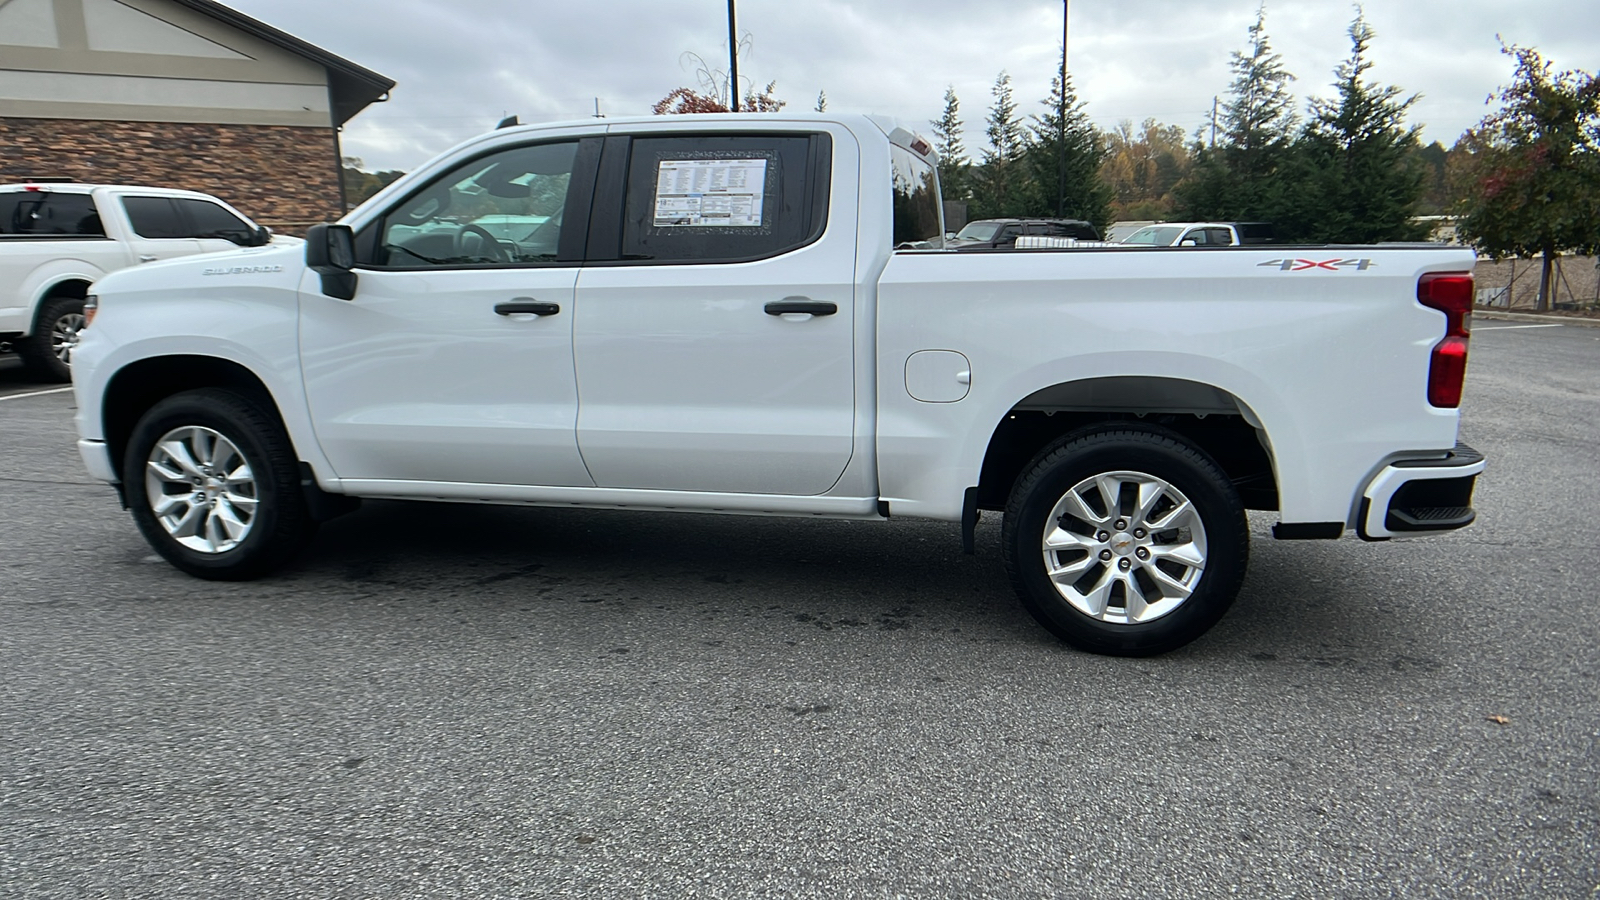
[
  {"x": 733, "y": 62},
  {"x": 1061, "y": 119}
]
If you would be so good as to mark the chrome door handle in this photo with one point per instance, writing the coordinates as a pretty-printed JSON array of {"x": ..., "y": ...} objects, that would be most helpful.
[
  {"x": 527, "y": 306},
  {"x": 801, "y": 305},
  {"x": 145, "y": 259}
]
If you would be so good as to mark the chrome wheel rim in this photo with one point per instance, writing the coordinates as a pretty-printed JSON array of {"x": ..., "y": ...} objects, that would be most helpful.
[
  {"x": 64, "y": 335},
  {"x": 1124, "y": 547},
  {"x": 201, "y": 489}
]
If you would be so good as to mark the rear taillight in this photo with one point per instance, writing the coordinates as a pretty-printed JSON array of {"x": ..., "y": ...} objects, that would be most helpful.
[
  {"x": 1450, "y": 293},
  {"x": 91, "y": 305}
]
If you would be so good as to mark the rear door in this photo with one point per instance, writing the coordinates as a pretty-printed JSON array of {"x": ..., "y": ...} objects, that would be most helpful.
[
  {"x": 715, "y": 317},
  {"x": 159, "y": 230}
]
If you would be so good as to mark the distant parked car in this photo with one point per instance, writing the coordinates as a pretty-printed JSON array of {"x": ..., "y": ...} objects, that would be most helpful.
[
  {"x": 988, "y": 234},
  {"x": 1201, "y": 234},
  {"x": 56, "y": 238}
]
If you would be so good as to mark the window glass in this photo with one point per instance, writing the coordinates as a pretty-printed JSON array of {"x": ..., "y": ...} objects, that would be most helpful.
[
  {"x": 916, "y": 201},
  {"x": 46, "y": 212},
  {"x": 505, "y": 208},
  {"x": 208, "y": 220},
  {"x": 978, "y": 231},
  {"x": 154, "y": 217},
  {"x": 1218, "y": 237},
  {"x": 1155, "y": 236},
  {"x": 718, "y": 198}
]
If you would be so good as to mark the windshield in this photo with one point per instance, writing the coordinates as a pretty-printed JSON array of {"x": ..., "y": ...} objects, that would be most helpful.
[
  {"x": 978, "y": 231},
  {"x": 1156, "y": 236}
]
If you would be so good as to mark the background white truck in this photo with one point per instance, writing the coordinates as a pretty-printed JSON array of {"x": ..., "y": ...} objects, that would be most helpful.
[
  {"x": 707, "y": 313},
  {"x": 58, "y": 238},
  {"x": 1200, "y": 234}
]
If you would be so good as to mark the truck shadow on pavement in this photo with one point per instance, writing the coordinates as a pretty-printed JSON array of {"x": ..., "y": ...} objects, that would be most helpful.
[{"x": 833, "y": 575}]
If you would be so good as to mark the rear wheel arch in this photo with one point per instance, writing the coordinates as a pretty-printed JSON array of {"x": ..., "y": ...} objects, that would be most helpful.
[{"x": 1213, "y": 420}]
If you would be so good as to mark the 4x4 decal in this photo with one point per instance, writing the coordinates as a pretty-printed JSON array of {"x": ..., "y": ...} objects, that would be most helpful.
[{"x": 1332, "y": 265}]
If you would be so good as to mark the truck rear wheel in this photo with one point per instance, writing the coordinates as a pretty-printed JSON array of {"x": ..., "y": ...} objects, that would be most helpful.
[
  {"x": 1125, "y": 541},
  {"x": 48, "y": 351},
  {"x": 213, "y": 485}
]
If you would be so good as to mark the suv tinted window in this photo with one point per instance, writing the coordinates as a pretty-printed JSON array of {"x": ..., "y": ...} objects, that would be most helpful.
[
  {"x": 154, "y": 217},
  {"x": 45, "y": 212},
  {"x": 722, "y": 198},
  {"x": 209, "y": 220},
  {"x": 916, "y": 199},
  {"x": 502, "y": 209}
]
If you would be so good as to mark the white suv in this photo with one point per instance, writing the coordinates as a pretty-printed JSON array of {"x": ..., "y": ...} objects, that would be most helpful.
[{"x": 58, "y": 238}]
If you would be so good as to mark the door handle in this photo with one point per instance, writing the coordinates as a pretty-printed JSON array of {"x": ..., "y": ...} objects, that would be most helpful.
[
  {"x": 801, "y": 305},
  {"x": 526, "y": 306},
  {"x": 145, "y": 259}
]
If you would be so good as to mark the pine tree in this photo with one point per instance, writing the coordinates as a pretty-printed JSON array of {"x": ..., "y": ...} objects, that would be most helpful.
[
  {"x": 1000, "y": 181},
  {"x": 1237, "y": 178},
  {"x": 822, "y": 101},
  {"x": 1063, "y": 161},
  {"x": 1355, "y": 177},
  {"x": 948, "y": 143}
]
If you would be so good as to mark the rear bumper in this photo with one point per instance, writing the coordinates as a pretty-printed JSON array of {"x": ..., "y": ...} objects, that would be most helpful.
[{"x": 1420, "y": 497}]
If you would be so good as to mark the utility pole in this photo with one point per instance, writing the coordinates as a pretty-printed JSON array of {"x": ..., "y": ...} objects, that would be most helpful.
[
  {"x": 733, "y": 61},
  {"x": 1213, "y": 123},
  {"x": 1061, "y": 119}
]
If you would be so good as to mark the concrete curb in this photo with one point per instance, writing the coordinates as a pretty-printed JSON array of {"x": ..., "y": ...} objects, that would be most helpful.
[{"x": 1580, "y": 321}]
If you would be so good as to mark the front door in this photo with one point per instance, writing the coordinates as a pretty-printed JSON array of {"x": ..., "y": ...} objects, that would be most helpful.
[
  {"x": 453, "y": 362},
  {"x": 715, "y": 349}
]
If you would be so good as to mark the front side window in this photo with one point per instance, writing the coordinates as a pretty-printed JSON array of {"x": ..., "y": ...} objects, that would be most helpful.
[
  {"x": 154, "y": 217},
  {"x": 978, "y": 231},
  {"x": 49, "y": 213},
  {"x": 723, "y": 198},
  {"x": 208, "y": 220},
  {"x": 501, "y": 209},
  {"x": 918, "y": 218}
]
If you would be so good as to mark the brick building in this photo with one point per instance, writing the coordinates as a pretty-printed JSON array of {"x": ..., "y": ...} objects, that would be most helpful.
[{"x": 177, "y": 93}]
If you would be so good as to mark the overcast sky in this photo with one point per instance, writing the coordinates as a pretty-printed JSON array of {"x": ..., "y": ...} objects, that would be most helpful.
[{"x": 461, "y": 65}]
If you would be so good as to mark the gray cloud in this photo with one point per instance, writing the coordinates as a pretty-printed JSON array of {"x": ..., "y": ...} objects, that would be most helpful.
[{"x": 462, "y": 65}]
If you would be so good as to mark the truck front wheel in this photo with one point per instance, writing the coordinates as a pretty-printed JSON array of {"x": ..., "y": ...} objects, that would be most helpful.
[
  {"x": 213, "y": 484},
  {"x": 1125, "y": 541}
]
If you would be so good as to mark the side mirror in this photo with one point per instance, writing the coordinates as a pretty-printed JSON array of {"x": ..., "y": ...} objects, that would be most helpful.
[
  {"x": 263, "y": 236},
  {"x": 331, "y": 253},
  {"x": 1188, "y": 242}
]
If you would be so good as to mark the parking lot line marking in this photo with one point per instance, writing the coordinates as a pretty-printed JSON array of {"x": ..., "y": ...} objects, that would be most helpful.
[
  {"x": 1509, "y": 327},
  {"x": 34, "y": 394}
]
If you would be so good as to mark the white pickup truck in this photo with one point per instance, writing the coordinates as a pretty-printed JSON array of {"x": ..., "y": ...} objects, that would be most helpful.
[
  {"x": 58, "y": 238},
  {"x": 707, "y": 313}
]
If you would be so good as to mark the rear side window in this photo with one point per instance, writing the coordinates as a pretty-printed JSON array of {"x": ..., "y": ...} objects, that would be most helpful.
[
  {"x": 48, "y": 213},
  {"x": 209, "y": 220},
  {"x": 915, "y": 184},
  {"x": 154, "y": 217},
  {"x": 723, "y": 198}
]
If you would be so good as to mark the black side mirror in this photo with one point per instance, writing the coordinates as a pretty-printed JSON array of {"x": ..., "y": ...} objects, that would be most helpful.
[
  {"x": 261, "y": 237},
  {"x": 331, "y": 253}
]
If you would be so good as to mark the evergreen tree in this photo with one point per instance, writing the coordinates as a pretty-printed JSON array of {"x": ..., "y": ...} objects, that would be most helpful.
[
  {"x": 999, "y": 187},
  {"x": 1063, "y": 161},
  {"x": 1236, "y": 179},
  {"x": 947, "y": 142},
  {"x": 1531, "y": 170},
  {"x": 822, "y": 101},
  {"x": 1355, "y": 176}
]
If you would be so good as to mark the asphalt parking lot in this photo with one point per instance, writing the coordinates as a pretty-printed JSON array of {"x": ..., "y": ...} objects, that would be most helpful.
[{"x": 448, "y": 701}]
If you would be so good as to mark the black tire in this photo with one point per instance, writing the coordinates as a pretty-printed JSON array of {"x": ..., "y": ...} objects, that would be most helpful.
[
  {"x": 40, "y": 350},
  {"x": 279, "y": 524},
  {"x": 1189, "y": 474}
]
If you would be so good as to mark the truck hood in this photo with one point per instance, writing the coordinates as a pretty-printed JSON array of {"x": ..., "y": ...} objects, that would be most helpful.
[{"x": 282, "y": 256}]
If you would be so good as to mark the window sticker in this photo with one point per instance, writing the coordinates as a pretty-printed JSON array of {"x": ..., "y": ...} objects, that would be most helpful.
[{"x": 716, "y": 193}]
